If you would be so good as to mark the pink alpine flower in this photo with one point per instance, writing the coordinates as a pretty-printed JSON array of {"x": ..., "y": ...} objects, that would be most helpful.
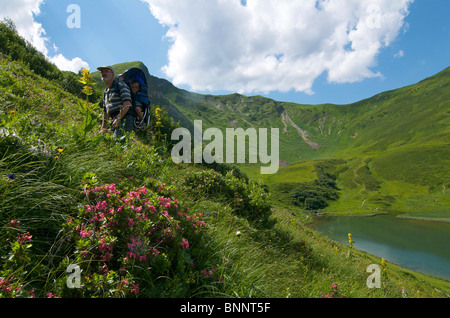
[
  {"x": 84, "y": 233},
  {"x": 14, "y": 224},
  {"x": 144, "y": 190},
  {"x": 135, "y": 289},
  {"x": 26, "y": 237},
  {"x": 185, "y": 244},
  {"x": 107, "y": 257}
]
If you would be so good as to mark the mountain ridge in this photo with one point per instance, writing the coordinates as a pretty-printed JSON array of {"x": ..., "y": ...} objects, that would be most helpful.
[
  {"x": 394, "y": 139},
  {"x": 234, "y": 110}
]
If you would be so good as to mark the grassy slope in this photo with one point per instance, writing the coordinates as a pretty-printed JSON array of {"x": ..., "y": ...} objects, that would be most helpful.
[
  {"x": 395, "y": 144},
  {"x": 287, "y": 260}
]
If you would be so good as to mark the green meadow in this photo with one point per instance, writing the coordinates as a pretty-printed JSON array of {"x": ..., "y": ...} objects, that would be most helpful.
[{"x": 139, "y": 226}]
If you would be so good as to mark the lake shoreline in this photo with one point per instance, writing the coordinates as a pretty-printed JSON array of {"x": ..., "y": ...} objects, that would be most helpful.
[
  {"x": 408, "y": 240},
  {"x": 398, "y": 214}
]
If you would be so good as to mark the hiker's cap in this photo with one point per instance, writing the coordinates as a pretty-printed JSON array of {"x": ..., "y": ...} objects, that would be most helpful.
[{"x": 106, "y": 67}]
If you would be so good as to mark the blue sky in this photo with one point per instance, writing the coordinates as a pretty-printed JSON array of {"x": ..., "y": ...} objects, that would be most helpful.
[{"x": 303, "y": 51}]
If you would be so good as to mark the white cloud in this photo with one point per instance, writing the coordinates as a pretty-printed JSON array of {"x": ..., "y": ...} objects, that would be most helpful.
[
  {"x": 22, "y": 13},
  {"x": 65, "y": 64},
  {"x": 268, "y": 45}
]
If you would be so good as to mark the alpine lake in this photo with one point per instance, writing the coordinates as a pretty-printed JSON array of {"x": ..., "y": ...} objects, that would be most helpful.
[{"x": 416, "y": 244}]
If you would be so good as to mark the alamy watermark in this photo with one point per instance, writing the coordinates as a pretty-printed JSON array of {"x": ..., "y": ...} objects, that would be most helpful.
[
  {"x": 74, "y": 277},
  {"x": 74, "y": 19},
  {"x": 234, "y": 150},
  {"x": 374, "y": 280}
]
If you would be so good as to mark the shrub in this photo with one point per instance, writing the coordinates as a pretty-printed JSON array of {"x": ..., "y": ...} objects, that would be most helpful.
[
  {"x": 19, "y": 49},
  {"x": 247, "y": 198},
  {"x": 125, "y": 242},
  {"x": 315, "y": 195},
  {"x": 160, "y": 128}
]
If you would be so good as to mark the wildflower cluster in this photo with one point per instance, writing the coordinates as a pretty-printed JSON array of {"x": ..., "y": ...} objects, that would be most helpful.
[
  {"x": 334, "y": 292},
  {"x": 212, "y": 274},
  {"x": 87, "y": 81},
  {"x": 60, "y": 151},
  {"x": 158, "y": 125},
  {"x": 350, "y": 242},
  {"x": 16, "y": 261},
  {"x": 158, "y": 117},
  {"x": 160, "y": 128},
  {"x": 117, "y": 235}
]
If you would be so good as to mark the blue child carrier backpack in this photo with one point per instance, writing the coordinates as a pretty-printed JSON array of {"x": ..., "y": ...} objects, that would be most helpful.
[{"x": 132, "y": 75}]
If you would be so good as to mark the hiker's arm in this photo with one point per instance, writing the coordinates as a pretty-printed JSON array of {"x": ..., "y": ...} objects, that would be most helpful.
[
  {"x": 125, "y": 95},
  {"x": 123, "y": 111},
  {"x": 104, "y": 119}
]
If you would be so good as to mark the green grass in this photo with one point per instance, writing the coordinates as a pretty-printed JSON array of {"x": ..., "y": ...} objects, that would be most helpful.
[
  {"x": 283, "y": 260},
  {"x": 249, "y": 247}
]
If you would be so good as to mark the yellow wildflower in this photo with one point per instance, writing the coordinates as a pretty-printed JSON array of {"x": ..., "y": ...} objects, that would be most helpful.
[
  {"x": 87, "y": 80},
  {"x": 87, "y": 90},
  {"x": 350, "y": 238}
]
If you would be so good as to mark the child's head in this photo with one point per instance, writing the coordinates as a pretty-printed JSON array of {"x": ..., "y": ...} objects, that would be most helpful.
[{"x": 135, "y": 87}]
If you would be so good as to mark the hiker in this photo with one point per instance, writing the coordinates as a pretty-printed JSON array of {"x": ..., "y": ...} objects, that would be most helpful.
[
  {"x": 138, "y": 105},
  {"x": 116, "y": 104}
]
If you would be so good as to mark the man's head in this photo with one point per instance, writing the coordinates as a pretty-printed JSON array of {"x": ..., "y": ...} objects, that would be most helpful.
[{"x": 107, "y": 73}]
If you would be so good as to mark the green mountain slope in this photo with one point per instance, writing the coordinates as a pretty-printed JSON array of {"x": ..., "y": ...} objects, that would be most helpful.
[
  {"x": 393, "y": 148},
  {"x": 395, "y": 145},
  {"x": 137, "y": 225}
]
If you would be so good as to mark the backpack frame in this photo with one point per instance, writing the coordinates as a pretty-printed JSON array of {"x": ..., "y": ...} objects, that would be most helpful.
[{"x": 136, "y": 74}]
